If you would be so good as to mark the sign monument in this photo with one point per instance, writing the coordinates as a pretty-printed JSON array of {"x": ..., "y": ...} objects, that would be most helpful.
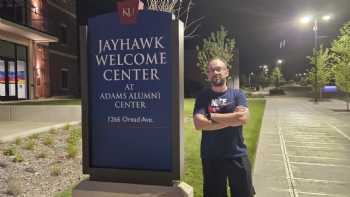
[{"x": 132, "y": 95}]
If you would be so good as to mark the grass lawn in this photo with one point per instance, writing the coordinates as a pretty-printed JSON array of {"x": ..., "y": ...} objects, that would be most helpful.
[
  {"x": 193, "y": 169},
  {"x": 50, "y": 102}
]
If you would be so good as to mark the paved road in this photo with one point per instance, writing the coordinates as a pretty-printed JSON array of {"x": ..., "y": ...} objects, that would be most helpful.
[{"x": 304, "y": 149}]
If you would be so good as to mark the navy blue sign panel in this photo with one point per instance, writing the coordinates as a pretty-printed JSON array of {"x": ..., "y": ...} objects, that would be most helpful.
[{"x": 129, "y": 81}]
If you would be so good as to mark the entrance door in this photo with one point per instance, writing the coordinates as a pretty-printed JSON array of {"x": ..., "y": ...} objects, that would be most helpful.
[{"x": 8, "y": 79}]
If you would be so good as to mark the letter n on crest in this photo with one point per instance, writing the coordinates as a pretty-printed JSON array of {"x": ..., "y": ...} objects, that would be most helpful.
[{"x": 127, "y": 11}]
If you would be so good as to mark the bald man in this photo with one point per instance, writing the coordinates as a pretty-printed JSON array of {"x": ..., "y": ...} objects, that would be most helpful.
[{"x": 219, "y": 113}]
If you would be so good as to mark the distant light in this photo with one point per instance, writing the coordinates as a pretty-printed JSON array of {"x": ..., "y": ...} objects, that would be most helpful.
[
  {"x": 326, "y": 17},
  {"x": 306, "y": 19},
  {"x": 279, "y": 61}
]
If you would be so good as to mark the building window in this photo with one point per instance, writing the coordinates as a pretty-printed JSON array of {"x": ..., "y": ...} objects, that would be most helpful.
[
  {"x": 14, "y": 10},
  {"x": 13, "y": 71},
  {"x": 64, "y": 79},
  {"x": 63, "y": 34},
  {"x": 7, "y": 49}
]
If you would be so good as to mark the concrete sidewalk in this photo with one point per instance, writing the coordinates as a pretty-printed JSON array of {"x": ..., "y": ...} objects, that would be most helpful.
[
  {"x": 24, "y": 120},
  {"x": 304, "y": 149},
  {"x": 10, "y": 130}
]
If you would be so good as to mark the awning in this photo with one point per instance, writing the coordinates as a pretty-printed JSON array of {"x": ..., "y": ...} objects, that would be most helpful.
[{"x": 26, "y": 32}]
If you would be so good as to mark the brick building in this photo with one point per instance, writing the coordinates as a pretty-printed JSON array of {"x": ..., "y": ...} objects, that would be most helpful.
[{"x": 38, "y": 49}]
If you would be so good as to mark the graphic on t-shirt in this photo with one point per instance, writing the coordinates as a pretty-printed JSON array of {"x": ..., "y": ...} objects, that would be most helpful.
[{"x": 217, "y": 105}]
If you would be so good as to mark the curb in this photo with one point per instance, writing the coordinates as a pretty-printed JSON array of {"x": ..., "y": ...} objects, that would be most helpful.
[{"x": 37, "y": 131}]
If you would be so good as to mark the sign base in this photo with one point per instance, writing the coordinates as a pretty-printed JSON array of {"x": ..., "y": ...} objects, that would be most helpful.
[{"x": 109, "y": 189}]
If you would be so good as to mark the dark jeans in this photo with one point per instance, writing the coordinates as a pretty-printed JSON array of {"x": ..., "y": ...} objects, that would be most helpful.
[{"x": 237, "y": 171}]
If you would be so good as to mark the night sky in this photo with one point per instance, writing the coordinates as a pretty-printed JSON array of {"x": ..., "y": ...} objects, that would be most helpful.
[{"x": 259, "y": 25}]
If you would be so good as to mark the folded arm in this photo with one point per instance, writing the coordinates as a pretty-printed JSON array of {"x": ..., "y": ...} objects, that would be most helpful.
[
  {"x": 239, "y": 117},
  {"x": 201, "y": 122}
]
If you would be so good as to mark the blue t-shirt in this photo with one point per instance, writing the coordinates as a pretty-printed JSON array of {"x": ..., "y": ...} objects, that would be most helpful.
[{"x": 227, "y": 142}]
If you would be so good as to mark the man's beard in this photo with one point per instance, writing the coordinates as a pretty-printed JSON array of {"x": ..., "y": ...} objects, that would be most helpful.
[{"x": 218, "y": 82}]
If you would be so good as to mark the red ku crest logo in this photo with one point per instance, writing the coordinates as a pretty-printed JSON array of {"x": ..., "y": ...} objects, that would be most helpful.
[{"x": 127, "y": 11}]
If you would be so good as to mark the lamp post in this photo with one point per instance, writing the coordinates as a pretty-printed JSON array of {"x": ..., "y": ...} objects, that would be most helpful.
[
  {"x": 250, "y": 79},
  {"x": 315, "y": 28},
  {"x": 279, "y": 63},
  {"x": 315, "y": 19},
  {"x": 263, "y": 71}
]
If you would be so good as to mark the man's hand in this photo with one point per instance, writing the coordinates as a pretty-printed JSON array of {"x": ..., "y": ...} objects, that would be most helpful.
[
  {"x": 244, "y": 114},
  {"x": 236, "y": 118},
  {"x": 201, "y": 122},
  {"x": 241, "y": 109}
]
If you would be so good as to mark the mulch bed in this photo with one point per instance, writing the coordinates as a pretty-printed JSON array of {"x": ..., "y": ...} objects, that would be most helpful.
[{"x": 45, "y": 170}]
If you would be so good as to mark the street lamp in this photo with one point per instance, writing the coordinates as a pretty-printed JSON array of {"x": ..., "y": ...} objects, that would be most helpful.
[
  {"x": 279, "y": 62},
  {"x": 250, "y": 76},
  {"x": 326, "y": 17},
  {"x": 306, "y": 19},
  {"x": 315, "y": 19},
  {"x": 264, "y": 67}
]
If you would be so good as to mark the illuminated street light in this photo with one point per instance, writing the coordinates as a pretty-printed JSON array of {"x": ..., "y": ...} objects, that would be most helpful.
[
  {"x": 308, "y": 19},
  {"x": 326, "y": 17},
  {"x": 279, "y": 61},
  {"x": 264, "y": 68},
  {"x": 250, "y": 78}
]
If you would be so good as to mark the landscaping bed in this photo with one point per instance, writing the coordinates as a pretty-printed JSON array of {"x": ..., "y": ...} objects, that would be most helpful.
[{"x": 42, "y": 164}]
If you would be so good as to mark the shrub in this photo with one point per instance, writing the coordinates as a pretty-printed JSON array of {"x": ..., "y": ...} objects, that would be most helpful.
[
  {"x": 48, "y": 141},
  {"x": 56, "y": 170},
  {"x": 18, "y": 158},
  {"x": 74, "y": 136},
  {"x": 250, "y": 95},
  {"x": 34, "y": 136},
  {"x": 18, "y": 141},
  {"x": 53, "y": 131},
  {"x": 66, "y": 127},
  {"x": 10, "y": 151},
  {"x": 72, "y": 150},
  {"x": 276, "y": 91},
  {"x": 29, "y": 145}
]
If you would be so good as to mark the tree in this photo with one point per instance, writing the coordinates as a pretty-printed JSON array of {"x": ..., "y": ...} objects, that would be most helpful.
[
  {"x": 276, "y": 77},
  {"x": 341, "y": 49},
  {"x": 217, "y": 45},
  {"x": 181, "y": 9},
  {"x": 324, "y": 71}
]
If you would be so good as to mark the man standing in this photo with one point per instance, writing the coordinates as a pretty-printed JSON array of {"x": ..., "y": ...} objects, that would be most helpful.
[{"x": 220, "y": 112}]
